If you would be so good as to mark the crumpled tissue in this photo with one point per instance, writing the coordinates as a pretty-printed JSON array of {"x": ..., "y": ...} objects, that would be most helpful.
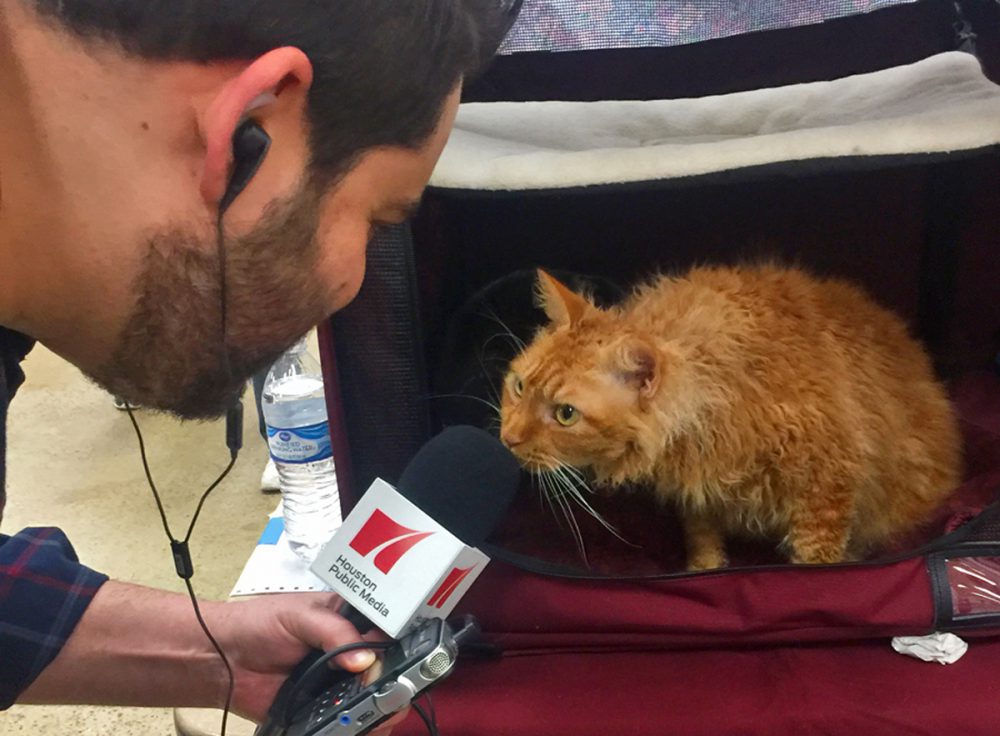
[{"x": 937, "y": 647}]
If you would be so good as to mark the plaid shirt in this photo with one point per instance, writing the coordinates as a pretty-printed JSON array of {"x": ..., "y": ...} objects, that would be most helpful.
[
  {"x": 43, "y": 593},
  {"x": 43, "y": 588}
]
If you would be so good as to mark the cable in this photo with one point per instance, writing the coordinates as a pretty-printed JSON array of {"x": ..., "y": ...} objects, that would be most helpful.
[
  {"x": 222, "y": 655},
  {"x": 317, "y": 666},
  {"x": 182, "y": 556},
  {"x": 204, "y": 497},
  {"x": 430, "y": 708},
  {"x": 179, "y": 548},
  {"x": 220, "y": 247},
  {"x": 234, "y": 440},
  {"x": 428, "y": 720}
]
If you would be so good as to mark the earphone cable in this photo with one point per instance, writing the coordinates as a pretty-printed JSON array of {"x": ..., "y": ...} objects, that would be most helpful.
[
  {"x": 220, "y": 246},
  {"x": 186, "y": 563},
  {"x": 149, "y": 475},
  {"x": 231, "y": 684},
  {"x": 204, "y": 497},
  {"x": 179, "y": 548}
]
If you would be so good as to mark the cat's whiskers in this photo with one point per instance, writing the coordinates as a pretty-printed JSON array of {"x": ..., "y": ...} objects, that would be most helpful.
[
  {"x": 543, "y": 497},
  {"x": 571, "y": 480},
  {"x": 574, "y": 528},
  {"x": 556, "y": 491},
  {"x": 495, "y": 407},
  {"x": 577, "y": 475},
  {"x": 507, "y": 332},
  {"x": 512, "y": 340},
  {"x": 539, "y": 479}
]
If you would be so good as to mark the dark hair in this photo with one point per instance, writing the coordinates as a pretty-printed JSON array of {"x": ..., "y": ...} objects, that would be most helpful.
[{"x": 383, "y": 68}]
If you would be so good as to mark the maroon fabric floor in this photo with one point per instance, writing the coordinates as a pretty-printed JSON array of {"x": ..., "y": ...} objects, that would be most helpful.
[
  {"x": 610, "y": 666},
  {"x": 849, "y": 689}
]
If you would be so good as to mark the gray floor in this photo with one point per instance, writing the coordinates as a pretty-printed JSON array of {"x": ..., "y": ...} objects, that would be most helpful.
[{"x": 73, "y": 462}]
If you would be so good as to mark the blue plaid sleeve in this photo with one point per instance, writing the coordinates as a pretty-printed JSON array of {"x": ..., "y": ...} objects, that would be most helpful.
[{"x": 44, "y": 591}]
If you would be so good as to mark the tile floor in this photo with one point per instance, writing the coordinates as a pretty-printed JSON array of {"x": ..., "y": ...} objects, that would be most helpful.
[{"x": 73, "y": 462}]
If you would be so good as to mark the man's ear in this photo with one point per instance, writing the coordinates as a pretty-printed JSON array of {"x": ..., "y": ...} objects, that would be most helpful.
[
  {"x": 639, "y": 366},
  {"x": 272, "y": 87},
  {"x": 562, "y": 305}
]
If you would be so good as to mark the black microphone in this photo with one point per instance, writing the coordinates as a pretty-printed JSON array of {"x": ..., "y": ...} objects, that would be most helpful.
[{"x": 465, "y": 480}]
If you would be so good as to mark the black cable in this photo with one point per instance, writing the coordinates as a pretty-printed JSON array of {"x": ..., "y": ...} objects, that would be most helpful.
[
  {"x": 204, "y": 497},
  {"x": 179, "y": 548},
  {"x": 317, "y": 666},
  {"x": 220, "y": 248},
  {"x": 430, "y": 708},
  {"x": 428, "y": 720},
  {"x": 182, "y": 557},
  {"x": 149, "y": 475},
  {"x": 222, "y": 655}
]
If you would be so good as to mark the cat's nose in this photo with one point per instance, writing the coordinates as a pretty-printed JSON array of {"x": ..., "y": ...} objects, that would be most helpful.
[{"x": 511, "y": 438}]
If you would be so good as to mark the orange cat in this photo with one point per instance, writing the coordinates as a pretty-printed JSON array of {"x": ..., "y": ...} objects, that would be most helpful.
[{"x": 757, "y": 399}]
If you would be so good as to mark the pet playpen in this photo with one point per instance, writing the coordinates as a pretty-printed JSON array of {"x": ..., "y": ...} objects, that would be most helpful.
[{"x": 855, "y": 137}]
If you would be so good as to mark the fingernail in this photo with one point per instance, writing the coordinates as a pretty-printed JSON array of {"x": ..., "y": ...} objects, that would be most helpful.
[{"x": 362, "y": 660}]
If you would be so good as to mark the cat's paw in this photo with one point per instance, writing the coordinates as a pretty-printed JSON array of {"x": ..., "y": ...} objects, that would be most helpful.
[
  {"x": 819, "y": 555},
  {"x": 707, "y": 561}
]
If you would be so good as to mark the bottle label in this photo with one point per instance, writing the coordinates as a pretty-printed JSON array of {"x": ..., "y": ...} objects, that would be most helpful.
[{"x": 300, "y": 445}]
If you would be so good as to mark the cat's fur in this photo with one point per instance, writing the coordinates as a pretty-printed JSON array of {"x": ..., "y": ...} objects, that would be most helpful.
[{"x": 756, "y": 398}]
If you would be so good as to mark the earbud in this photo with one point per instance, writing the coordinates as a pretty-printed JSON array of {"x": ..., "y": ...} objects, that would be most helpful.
[{"x": 250, "y": 146}]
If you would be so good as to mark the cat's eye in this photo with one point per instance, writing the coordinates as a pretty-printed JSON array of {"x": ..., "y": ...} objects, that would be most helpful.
[
  {"x": 517, "y": 386},
  {"x": 567, "y": 415}
]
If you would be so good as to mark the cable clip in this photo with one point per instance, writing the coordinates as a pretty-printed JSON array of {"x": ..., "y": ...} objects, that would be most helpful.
[{"x": 182, "y": 559}]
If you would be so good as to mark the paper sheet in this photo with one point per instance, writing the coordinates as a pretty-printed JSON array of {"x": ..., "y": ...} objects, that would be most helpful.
[{"x": 273, "y": 567}]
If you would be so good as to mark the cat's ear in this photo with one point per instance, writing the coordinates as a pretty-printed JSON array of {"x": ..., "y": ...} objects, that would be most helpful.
[
  {"x": 639, "y": 366},
  {"x": 561, "y": 304}
]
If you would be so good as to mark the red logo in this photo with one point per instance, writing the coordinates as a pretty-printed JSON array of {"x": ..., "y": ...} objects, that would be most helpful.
[
  {"x": 392, "y": 540},
  {"x": 447, "y": 589}
]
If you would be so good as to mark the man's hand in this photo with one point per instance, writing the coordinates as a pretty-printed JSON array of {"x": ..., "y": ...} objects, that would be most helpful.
[
  {"x": 265, "y": 638},
  {"x": 139, "y": 646}
]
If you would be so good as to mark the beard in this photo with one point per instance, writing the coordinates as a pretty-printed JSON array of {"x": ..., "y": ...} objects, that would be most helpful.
[{"x": 172, "y": 354}]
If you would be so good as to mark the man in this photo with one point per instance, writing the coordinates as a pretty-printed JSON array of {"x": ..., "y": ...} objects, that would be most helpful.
[{"x": 117, "y": 123}]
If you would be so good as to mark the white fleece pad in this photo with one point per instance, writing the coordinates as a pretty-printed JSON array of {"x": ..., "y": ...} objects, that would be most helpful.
[{"x": 938, "y": 105}]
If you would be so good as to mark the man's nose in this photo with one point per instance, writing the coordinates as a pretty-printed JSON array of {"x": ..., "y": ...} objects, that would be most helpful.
[{"x": 340, "y": 270}]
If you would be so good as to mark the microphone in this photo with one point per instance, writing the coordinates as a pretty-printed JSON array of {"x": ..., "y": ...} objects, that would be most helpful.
[{"x": 409, "y": 553}]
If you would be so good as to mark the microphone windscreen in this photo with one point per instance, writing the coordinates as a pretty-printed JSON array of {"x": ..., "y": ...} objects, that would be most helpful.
[{"x": 465, "y": 480}]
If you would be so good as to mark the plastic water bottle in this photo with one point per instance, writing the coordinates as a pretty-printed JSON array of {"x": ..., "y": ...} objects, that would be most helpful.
[{"x": 298, "y": 436}]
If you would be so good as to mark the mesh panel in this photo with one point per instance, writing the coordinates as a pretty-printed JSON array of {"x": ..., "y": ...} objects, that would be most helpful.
[
  {"x": 986, "y": 526},
  {"x": 380, "y": 361},
  {"x": 585, "y": 25}
]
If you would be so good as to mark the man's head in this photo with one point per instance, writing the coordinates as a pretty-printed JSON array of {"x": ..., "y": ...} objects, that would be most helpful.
[{"x": 117, "y": 150}]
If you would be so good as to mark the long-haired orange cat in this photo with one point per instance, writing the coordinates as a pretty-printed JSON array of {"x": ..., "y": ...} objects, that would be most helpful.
[{"x": 758, "y": 399}]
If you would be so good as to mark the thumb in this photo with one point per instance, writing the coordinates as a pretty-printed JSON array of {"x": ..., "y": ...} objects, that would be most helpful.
[{"x": 319, "y": 626}]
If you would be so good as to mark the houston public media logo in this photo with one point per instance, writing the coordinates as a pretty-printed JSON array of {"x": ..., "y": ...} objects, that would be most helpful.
[
  {"x": 387, "y": 538},
  {"x": 448, "y": 586},
  {"x": 389, "y": 541}
]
